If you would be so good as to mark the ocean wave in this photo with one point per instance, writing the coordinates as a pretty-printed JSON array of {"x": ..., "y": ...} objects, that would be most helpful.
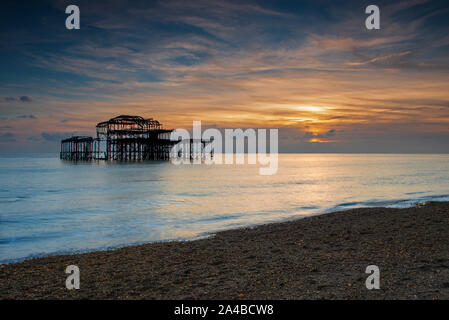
[{"x": 395, "y": 203}]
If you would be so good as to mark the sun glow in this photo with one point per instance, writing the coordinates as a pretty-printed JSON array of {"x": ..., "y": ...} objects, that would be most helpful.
[
  {"x": 311, "y": 108},
  {"x": 318, "y": 140}
]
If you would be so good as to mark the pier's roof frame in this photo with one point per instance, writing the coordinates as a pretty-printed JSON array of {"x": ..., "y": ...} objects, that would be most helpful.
[{"x": 129, "y": 125}]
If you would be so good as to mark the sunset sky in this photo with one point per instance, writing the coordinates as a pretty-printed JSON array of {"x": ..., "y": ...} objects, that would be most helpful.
[{"x": 309, "y": 68}]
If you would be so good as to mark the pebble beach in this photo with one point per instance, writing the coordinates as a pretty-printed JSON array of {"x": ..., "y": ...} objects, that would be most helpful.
[{"x": 318, "y": 257}]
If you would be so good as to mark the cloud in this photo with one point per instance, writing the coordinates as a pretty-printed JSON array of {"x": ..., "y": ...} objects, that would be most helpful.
[
  {"x": 25, "y": 99},
  {"x": 330, "y": 133},
  {"x": 21, "y": 99},
  {"x": 401, "y": 5},
  {"x": 27, "y": 116},
  {"x": 318, "y": 137},
  {"x": 381, "y": 58}
]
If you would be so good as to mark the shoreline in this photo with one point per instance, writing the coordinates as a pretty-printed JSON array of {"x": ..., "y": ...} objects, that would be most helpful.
[
  {"x": 323, "y": 256},
  {"x": 339, "y": 208}
]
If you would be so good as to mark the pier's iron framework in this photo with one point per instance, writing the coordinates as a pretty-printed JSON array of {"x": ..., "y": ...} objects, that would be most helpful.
[
  {"x": 126, "y": 138},
  {"x": 77, "y": 148}
]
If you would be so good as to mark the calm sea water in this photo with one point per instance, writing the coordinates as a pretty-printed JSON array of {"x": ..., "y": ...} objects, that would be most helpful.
[{"x": 48, "y": 206}]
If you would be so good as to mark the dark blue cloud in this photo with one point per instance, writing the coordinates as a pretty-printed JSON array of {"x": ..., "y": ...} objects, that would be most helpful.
[
  {"x": 27, "y": 116},
  {"x": 310, "y": 135},
  {"x": 21, "y": 99},
  {"x": 25, "y": 99}
]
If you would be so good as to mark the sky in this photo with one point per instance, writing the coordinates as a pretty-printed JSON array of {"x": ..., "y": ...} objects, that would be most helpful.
[{"x": 309, "y": 68}]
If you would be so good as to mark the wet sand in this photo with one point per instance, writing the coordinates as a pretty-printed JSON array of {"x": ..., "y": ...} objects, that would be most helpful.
[{"x": 320, "y": 257}]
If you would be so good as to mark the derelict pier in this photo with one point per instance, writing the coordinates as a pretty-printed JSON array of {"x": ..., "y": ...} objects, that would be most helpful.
[{"x": 127, "y": 138}]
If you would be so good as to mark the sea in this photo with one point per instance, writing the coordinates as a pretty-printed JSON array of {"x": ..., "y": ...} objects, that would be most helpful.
[{"x": 49, "y": 206}]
